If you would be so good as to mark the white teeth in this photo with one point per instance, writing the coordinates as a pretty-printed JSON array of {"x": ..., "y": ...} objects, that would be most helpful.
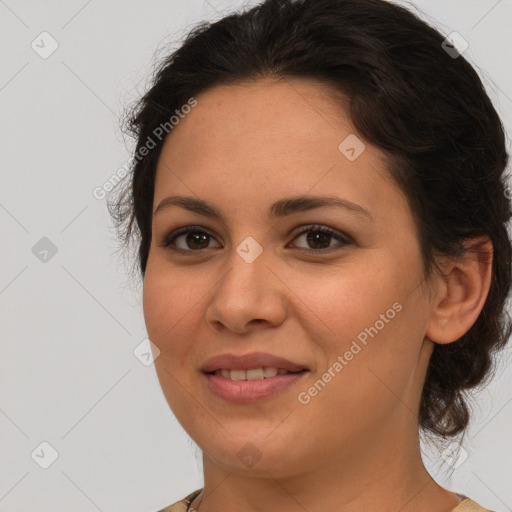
[
  {"x": 255, "y": 373},
  {"x": 237, "y": 374},
  {"x": 252, "y": 374},
  {"x": 270, "y": 372}
]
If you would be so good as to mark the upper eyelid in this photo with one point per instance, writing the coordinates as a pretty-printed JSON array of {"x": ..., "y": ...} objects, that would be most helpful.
[{"x": 298, "y": 231}]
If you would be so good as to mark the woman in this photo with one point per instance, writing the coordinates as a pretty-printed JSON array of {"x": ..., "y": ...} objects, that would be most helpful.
[{"x": 318, "y": 186}]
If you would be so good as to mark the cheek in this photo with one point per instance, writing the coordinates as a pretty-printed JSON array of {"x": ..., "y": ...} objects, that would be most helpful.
[
  {"x": 168, "y": 302},
  {"x": 368, "y": 317},
  {"x": 168, "y": 312},
  {"x": 346, "y": 301}
]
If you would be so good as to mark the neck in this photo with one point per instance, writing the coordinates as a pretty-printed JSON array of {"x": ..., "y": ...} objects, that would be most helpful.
[{"x": 384, "y": 474}]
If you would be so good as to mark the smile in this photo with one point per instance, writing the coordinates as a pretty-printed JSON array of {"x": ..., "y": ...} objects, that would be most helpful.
[
  {"x": 252, "y": 374},
  {"x": 249, "y": 386}
]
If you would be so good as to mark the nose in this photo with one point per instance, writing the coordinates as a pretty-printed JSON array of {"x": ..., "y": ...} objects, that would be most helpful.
[{"x": 248, "y": 296}]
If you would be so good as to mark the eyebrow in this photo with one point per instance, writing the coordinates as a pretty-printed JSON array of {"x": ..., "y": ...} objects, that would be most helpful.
[{"x": 280, "y": 208}]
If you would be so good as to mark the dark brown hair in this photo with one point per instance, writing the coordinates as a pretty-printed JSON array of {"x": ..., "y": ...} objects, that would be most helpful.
[{"x": 424, "y": 107}]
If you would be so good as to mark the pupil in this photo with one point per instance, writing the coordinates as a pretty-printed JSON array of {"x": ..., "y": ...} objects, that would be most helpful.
[
  {"x": 318, "y": 237},
  {"x": 196, "y": 236},
  {"x": 314, "y": 238}
]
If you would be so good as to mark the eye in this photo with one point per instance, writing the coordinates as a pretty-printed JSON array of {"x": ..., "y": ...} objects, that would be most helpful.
[
  {"x": 197, "y": 239},
  {"x": 320, "y": 236}
]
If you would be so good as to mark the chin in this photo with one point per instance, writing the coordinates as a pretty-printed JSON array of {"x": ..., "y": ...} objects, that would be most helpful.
[{"x": 257, "y": 457}]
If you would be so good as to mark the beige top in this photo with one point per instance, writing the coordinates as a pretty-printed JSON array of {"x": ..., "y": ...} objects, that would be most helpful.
[{"x": 466, "y": 505}]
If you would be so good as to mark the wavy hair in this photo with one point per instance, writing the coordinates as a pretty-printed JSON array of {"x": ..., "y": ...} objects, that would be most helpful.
[{"x": 424, "y": 107}]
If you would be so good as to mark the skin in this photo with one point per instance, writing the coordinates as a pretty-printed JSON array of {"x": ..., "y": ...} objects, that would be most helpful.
[{"x": 354, "y": 446}]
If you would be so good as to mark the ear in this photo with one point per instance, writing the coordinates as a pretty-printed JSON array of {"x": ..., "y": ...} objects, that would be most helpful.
[{"x": 461, "y": 291}]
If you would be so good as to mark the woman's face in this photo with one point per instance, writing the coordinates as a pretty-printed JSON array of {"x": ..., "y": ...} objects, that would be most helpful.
[{"x": 351, "y": 307}]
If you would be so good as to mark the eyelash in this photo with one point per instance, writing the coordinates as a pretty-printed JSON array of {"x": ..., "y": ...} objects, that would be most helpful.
[{"x": 345, "y": 239}]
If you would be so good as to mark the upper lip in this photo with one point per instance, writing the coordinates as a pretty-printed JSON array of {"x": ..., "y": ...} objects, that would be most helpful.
[{"x": 248, "y": 361}]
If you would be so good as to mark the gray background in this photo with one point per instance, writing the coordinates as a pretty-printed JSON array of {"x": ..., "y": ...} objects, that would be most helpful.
[{"x": 70, "y": 324}]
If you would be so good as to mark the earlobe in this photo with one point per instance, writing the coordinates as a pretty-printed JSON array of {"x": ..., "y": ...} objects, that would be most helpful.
[{"x": 461, "y": 292}]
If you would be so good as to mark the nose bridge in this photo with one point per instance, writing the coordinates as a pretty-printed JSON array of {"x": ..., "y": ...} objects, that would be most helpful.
[
  {"x": 248, "y": 270},
  {"x": 248, "y": 290}
]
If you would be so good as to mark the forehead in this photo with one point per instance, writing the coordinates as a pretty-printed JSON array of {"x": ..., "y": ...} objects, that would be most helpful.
[
  {"x": 267, "y": 139},
  {"x": 261, "y": 110}
]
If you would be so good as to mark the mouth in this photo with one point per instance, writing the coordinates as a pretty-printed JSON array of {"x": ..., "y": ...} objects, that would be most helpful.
[
  {"x": 257, "y": 365},
  {"x": 252, "y": 377},
  {"x": 266, "y": 372}
]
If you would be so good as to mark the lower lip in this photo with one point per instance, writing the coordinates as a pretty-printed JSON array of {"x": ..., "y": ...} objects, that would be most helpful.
[{"x": 250, "y": 391}]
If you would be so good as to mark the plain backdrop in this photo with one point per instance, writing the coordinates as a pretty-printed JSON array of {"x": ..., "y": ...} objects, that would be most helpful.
[{"x": 74, "y": 396}]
